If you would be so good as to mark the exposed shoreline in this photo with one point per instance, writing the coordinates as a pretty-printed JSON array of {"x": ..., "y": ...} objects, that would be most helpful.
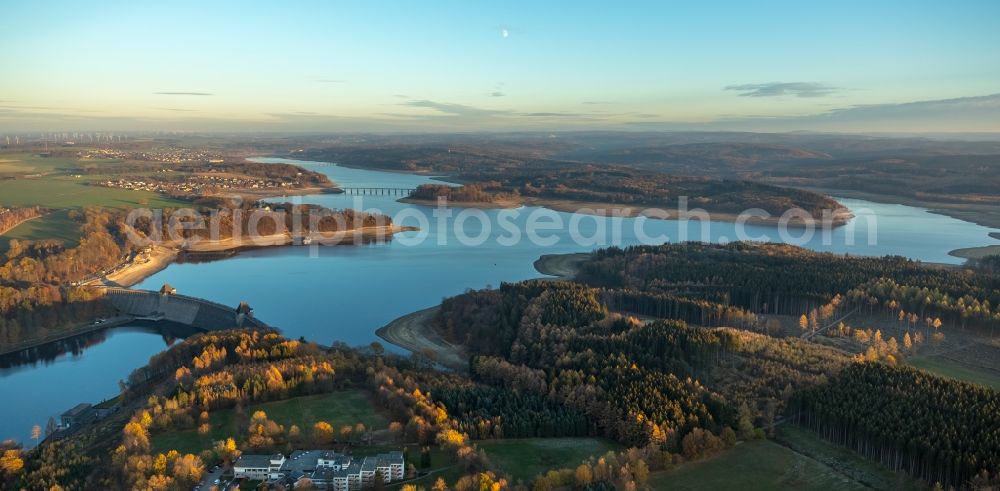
[
  {"x": 285, "y": 192},
  {"x": 840, "y": 218},
  {"x": 164, "y": 254},
  {"x": 414, "y": 332},
  {"x": 976, "y": 252},
  {"x": 985, "y": 215},
  {"x": 562, "y": 266},
  {"x": 570, "y": 206},
  {"x": 626, "y": 211},
  {"x": 482, "y": 205}
]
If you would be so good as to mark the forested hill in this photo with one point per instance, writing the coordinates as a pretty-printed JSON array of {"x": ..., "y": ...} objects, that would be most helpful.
[
  {"x": 529, "y": 175},
  {"x": 658, "y": 349},
  {"x": 581, "y": 344},
  {"x": 782, "y": 279}
]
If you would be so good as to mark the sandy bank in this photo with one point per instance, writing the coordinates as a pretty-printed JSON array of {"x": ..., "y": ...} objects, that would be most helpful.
[
  {"x": 414, "y": 332},
  {"x": 283, "y": 192},
  {"x": 162, "y": 255},
  {"x": 986, "y": 215},
  {"x": 499, "y": 204},
  {"x": 563, "y": 266},
  {"x": 976, "y": 252},
  {"x": 839, "y": 218},
  {"x": 158, "y": 259},
  {"x": 629, "y": 211}
]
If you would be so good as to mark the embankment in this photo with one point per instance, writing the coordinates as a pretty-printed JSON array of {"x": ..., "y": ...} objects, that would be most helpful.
[{"x": 196, "y": 312}]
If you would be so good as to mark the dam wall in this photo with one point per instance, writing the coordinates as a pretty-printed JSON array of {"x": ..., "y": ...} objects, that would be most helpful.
[{"x": 195, "y": 312}]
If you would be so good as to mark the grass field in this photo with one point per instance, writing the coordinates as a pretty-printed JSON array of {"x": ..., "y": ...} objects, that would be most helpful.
[
  {"x": 845, "y": 461},
  {"x": 951, "y": 369},
  {"x": 55, "y": 225},
  {"x": 754, "y": 465},
  {"x": 57, "y": 183},
  {"x": 28, "y": 163},
  {"x": 526, "y": 458},
  {"x": 797, "y": 460},
  {"x": 72, "y": 192},
  {"x": 190, "y": 441},
  {"x": 338, "y": 408}
]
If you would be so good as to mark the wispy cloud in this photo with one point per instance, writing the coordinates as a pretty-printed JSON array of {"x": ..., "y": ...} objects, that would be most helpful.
[
  {"x": 778, "y": 89},
  {"x": 182, "y": 93},
  {"x": 19, "y": 107},
  {"x": 965, "y": 114},
  {"x": 978, "y": 113},
  {"x": 553, "y": 115},
  {"x": 455, "y": 109},
  {"x": 497, "y": 93}
]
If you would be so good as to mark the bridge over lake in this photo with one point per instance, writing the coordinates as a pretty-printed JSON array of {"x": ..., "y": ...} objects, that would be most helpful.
[{"x": 378, "y": 191}]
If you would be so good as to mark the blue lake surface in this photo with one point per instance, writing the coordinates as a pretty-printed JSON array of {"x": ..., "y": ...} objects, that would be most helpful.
[{"x": 345, "y": 293}]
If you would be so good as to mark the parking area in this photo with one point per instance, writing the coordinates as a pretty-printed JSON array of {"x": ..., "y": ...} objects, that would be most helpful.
[{"x": 213, "y": 477}]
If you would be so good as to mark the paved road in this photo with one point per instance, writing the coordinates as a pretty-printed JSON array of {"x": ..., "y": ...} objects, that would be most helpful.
[{"x": 209, "y": 480}]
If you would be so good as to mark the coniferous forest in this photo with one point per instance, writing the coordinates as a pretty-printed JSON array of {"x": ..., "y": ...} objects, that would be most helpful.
[{"x": 665, "y": 350}]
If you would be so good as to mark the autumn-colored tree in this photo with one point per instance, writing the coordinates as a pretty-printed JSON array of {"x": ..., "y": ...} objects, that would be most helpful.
[
  {"x": 159, "y": 482},
  {"x": 450, "y": 438},
  {"x": 160, "y": 464},
  {"x": 136, "y": 438},
  {"x": 583, "y": 475},
  {"x": 188, "y": 470},
  {"x": 803, "y": 322},
  {"x": 322, "y": 433},
  {"x": 11, "y": 462},
  {"x": 226, "y": 450},
  {"x": 700, "y": 443}
]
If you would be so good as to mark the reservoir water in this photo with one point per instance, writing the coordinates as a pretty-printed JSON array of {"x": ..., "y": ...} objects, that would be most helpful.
[{"x": 345, "y": 293}]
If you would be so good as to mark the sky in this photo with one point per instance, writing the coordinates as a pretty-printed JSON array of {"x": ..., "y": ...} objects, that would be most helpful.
[{"x": 889, "y": 66}]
